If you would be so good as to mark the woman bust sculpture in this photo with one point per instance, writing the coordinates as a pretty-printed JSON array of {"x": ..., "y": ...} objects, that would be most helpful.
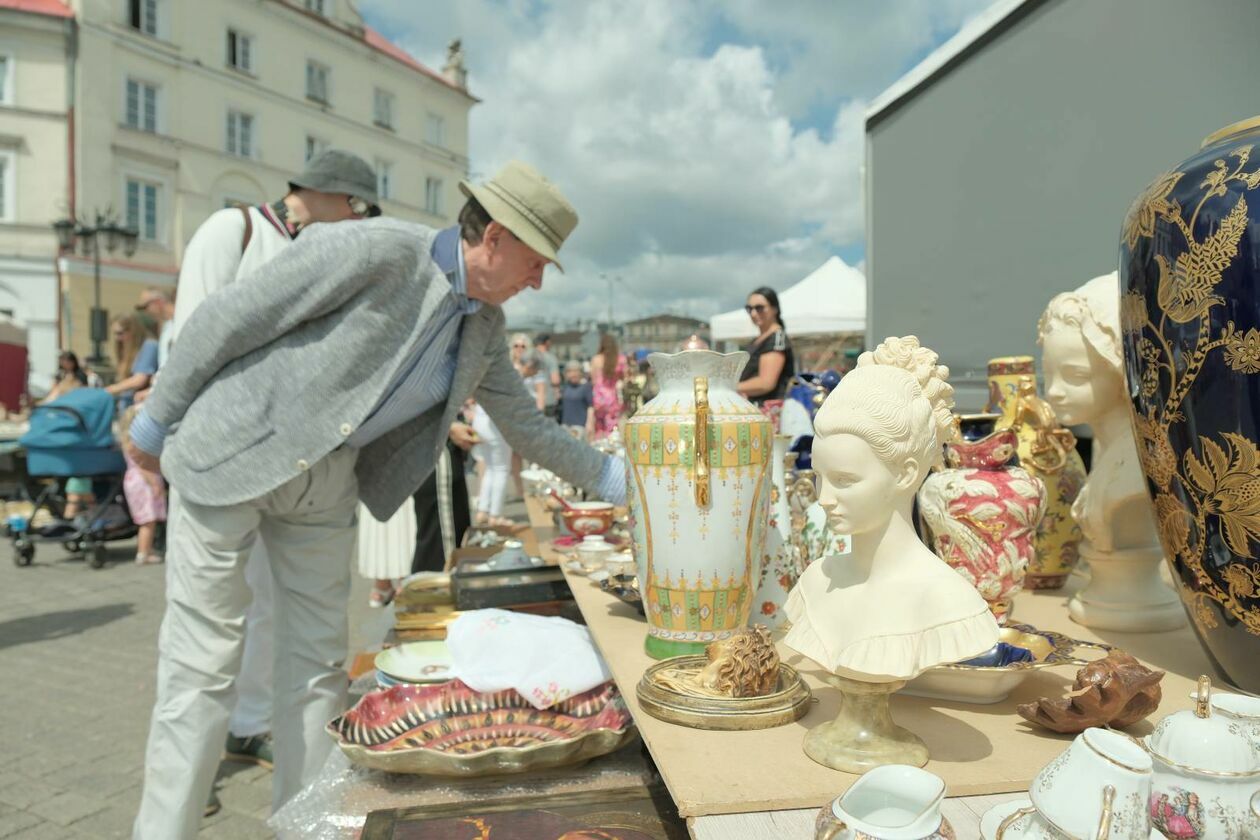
[
  {"x": 1084, "y": 374},
  {"x": 891, "y": 608}
]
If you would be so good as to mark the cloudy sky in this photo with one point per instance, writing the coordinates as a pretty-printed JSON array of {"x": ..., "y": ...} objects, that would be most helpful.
[{"x": 710, "y": 146}]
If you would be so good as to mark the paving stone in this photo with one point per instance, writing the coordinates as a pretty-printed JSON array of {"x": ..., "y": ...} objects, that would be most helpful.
[
  {"x": 67, "y": 808},
  {"x": 26, "y": 792},
  {"x": 14, "y": 821},
  {"x": 237, "y": 827}
]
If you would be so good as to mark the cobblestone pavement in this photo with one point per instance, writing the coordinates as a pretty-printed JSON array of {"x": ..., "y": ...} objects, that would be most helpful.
[{"x": 78, "y": 651}]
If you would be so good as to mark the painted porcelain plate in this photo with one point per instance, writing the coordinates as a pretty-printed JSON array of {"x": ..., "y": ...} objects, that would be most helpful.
[
  {"x": 416, "y": 662},
  {"x": 450, "y": 730}
]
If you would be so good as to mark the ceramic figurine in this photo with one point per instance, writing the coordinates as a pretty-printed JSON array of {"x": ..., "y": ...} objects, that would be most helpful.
[
  {"x": 744, "y": 665},
  {"x": 890, "y": 609},
  {"x": 1205, "y": 775},
  {"x": 1080, "y": 338},
  {"x": 982, "y": 515},
  {"x": 1190, "y": 314},
  {"x": 1048, "y": 452},
  {"x": 698, "y": 514},
  {"x": 1115, "y": 691},
  {"x": 889, "y": 803}
]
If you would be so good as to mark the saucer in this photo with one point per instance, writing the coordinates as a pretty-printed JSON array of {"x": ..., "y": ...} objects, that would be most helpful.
[
  {"x": 1028, "y": 827},
  {"x": 415, "y": 662}
]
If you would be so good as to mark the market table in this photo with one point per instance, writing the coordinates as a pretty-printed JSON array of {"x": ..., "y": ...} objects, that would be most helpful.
[{"x": 733, "y": 785}]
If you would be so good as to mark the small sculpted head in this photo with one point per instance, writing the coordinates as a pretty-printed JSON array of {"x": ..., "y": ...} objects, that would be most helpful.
[
  {"x": 1082, "y": 358},
  {"x": 879, "y": 432},
  {"x": 745, "y": 665}
]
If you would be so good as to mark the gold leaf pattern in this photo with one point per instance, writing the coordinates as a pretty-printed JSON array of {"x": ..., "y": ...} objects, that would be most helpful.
[
  {"x": 1158, "y": 457},
  {"x": 1228, "y": 480},
  {"x": 1132, "y": 312},
  {"x": 1242, "y": 350},
  {"x": 1153, "y": 202},
  {"x": 1184, "y": 291},
  {"x": 1243, "y": 581},
  {"x": 1174, "y": 524}
]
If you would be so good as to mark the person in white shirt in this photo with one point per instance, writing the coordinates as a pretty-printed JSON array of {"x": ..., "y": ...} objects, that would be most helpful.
[{"x": 335, "y": 186}]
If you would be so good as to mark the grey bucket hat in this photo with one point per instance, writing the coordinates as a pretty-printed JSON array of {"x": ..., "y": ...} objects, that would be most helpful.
[{"x": 335, "y": 171}]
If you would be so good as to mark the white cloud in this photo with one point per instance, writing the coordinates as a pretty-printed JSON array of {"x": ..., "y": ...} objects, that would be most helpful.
[{"x": 676, "y": 130}]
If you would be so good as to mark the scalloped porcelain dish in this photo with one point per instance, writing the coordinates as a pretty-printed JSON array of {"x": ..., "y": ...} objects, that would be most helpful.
[
  {"x": 450, "y": 730},
  {"x": 985, "y": 684}
]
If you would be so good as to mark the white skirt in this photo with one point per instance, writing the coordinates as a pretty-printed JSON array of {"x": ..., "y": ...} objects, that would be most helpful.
[{"x": 386, "y": 549}]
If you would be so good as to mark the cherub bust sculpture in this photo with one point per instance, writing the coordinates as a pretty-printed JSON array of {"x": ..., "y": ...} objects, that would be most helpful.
[
  {"x": 891, "y": 608},
  {"x": 1084, "y": 373}
]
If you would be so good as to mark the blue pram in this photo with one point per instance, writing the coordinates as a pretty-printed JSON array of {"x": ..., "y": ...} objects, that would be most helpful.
[{"x": 73, "y": 437}]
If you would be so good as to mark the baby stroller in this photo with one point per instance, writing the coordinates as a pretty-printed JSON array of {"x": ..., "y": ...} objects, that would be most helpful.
[{"x": 73, "y": 436}]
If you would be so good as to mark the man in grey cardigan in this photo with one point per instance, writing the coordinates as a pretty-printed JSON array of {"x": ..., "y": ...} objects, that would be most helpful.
[{"x": 331, "y": 377}]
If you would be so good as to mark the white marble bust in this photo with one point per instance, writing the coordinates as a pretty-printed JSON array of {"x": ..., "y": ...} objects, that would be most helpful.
[
  {"x": 891, "y": 608},
  {"x": 1084, "y": 374}
]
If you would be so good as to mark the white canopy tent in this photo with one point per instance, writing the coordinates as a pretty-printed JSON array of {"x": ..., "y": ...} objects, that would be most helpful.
[{"x": 832, "y": 299}]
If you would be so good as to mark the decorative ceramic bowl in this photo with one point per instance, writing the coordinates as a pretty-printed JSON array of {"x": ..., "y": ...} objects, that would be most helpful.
[
  {"x": 451, "y": 730},
  {"x": 625, "y": 588},
  {"x": 986, "y": 683},
  {"x": 588, "y": 518}
]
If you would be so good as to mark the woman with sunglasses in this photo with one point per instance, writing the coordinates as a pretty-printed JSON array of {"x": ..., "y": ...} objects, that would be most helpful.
[{"x": 771, "y": 362}]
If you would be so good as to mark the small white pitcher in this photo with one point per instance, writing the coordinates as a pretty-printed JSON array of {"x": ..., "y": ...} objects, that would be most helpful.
[{"x": 893, "y": 802}]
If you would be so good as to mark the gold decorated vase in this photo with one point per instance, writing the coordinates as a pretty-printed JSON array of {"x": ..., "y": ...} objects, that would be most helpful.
[
  {"x": 699, "y": 457},
  {"x": 1048, "y": 451},
  {"x": 1190, "y": 318}
]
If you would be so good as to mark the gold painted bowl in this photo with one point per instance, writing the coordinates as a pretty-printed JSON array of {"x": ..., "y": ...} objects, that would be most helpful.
[
  {"x": 985, "y": 684},
  {"x": 451, "y": 730},
  {"x": 786, "y": 704}
]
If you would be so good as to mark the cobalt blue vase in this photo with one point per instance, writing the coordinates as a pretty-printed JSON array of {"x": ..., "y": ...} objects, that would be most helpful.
[{"x": 1190, "y": 312}]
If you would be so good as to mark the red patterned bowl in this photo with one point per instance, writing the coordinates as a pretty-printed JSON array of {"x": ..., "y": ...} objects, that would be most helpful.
[
  {"x": 450, "y": 730},
  {"x": 588, "y": 518}
]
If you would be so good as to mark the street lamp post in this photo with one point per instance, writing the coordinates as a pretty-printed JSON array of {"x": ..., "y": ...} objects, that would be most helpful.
[{"x": 89, "y": 238}]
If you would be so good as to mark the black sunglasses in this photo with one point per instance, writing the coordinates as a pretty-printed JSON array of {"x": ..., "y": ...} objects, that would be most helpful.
[{"x": 750, "y": 308}]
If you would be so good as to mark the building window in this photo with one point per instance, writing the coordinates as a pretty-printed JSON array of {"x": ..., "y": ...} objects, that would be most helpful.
[
  {"x": 240, "y": 134},
  {"x": 240, "y": 51},
  {"x": 8, "y": 162},
  {"x": 383, "y": 108},
  {"x": 142, "y": 209},
  {"x": 142, "y": 106},
  {"x": 384, "y": 179},
  {"x": 316, "y": 6},
  {"x": 433, "y": 195},
  {"x": 435, "y": 129},
  {"x": 317, "y": 82},
  {"x": 144, "y": 16},
  {"x": 6, "y": 80},
  {"x": 314, "y": 146}
]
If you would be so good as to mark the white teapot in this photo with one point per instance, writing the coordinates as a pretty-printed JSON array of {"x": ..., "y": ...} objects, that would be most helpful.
[{"x": 1206, "y": 773}]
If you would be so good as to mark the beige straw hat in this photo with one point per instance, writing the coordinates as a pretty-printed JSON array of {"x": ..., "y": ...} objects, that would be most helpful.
[{"x": 526, "y": 203}]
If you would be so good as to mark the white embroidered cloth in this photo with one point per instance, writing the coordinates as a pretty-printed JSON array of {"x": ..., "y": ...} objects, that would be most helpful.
[{"x": 546, "y": 659}]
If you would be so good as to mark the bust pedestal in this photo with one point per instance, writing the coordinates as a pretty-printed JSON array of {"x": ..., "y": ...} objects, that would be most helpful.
[
  {"x": 1125, "y": 592},
  {"x": 864, "y": 734}
]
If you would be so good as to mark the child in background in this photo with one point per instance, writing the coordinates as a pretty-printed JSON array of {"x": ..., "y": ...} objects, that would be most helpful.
[{"x": 146, "y": 498}]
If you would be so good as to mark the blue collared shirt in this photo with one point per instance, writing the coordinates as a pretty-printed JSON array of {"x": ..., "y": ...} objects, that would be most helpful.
[{"x": 424, "y": 380}]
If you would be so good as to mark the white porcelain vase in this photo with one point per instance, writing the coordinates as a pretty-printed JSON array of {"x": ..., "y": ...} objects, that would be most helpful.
[{"x": 698, "y": 524}]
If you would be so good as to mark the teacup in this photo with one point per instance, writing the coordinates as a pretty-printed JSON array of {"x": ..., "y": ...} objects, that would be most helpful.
[
  {"x": 587, "y": 518},
  {"x": 1098, "y": 787}
]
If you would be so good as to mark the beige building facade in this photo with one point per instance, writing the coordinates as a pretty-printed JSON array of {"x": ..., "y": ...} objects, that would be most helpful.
[{"x": 164, "y": 111}]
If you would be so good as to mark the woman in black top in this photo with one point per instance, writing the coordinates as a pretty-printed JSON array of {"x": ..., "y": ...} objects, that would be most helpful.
[{"x": 771, "y": 362}]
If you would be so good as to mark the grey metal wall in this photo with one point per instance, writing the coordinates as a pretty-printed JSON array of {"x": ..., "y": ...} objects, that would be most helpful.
[{"x": 1006, "y": 180}]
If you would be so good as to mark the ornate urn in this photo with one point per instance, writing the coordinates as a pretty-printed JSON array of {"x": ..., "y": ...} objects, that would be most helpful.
[
  {"x": 982, "y": 513},
  {"x": 1048, "y": 452},
  {"x": 1190, "y": 313},
  {"x": 698, "y": 513}
]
